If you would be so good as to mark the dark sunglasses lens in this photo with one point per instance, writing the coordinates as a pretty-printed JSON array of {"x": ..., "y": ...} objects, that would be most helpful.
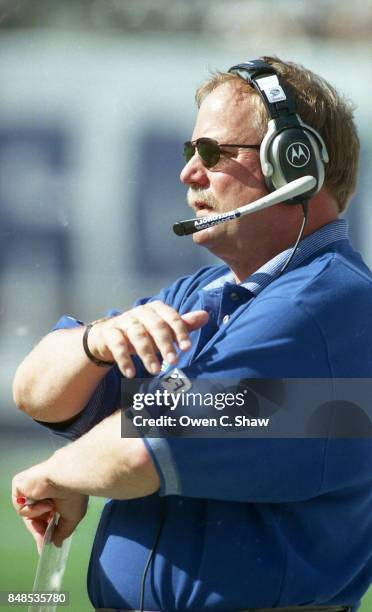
[
  {"x": 209, "y": 152},
  {"x": 188, "y": 151}
]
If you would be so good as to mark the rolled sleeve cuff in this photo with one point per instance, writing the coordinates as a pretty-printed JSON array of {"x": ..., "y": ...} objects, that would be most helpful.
[{"x": 159, "y": 450}]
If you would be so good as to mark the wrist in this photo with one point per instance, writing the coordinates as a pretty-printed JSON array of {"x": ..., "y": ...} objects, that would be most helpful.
[
  {"x": 55, "y": 467},
  {"x": 36, "y": 483},
  {"x": 90, "y": 345}
]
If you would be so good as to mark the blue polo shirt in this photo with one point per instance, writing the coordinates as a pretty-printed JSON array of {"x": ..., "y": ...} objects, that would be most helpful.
[{"x": 251, "y": 522}]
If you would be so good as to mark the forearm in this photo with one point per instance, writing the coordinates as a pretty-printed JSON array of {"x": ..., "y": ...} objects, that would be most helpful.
[
  {"x": 56, "y": 380},
  {"x": 99, "y": 463},
  {"x": 102, "y": 463}
]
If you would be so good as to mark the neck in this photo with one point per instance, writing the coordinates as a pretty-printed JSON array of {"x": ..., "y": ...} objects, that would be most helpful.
[{"x": 279, "y": 231}]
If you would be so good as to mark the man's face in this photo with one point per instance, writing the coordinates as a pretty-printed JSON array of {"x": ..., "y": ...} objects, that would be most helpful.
[{"x": 226, "y": 116}]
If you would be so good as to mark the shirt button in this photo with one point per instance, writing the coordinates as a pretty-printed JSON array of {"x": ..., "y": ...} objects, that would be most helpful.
[
  {"x": 226, "y": 318},
  {"x": 234, "y": 296}
]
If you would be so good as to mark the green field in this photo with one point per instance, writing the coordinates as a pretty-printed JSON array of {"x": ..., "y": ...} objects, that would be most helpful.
[{"x": 17, "y": 551}]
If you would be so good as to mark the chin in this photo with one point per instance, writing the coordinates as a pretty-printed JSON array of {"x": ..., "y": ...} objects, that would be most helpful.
[
  {"x": 204, "y": 236},
  {"x": 211, "y": 238}
]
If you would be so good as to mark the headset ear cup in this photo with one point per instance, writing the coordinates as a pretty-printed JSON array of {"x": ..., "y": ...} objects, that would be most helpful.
[
  {"x": 293, "y": 153},
  {"x": 318, "y": 159}
]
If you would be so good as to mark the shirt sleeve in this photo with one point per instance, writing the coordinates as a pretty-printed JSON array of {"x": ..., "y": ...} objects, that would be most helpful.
[
  {"x": 103, "y": 402},
  {"x": 261, "y": 469},
  {"x": 107, "y": 396}
]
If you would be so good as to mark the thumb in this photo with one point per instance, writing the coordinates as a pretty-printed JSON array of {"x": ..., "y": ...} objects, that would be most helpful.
[
  {"x": 63, "y": 529},
  {"x": 195, "y": 319}
]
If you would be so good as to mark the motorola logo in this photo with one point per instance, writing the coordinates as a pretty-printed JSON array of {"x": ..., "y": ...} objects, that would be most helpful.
[{"x": 298, "y": 154}]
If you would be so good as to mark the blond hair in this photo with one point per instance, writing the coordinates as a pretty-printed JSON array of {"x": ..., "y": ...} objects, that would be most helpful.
[{"x": 319, "y": 105}]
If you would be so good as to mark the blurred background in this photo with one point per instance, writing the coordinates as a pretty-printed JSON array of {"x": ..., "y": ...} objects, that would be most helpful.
[{"x": 96, "y": 99}]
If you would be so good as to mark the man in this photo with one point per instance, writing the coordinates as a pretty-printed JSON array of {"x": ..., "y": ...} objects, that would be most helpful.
[{"x": 231, "y": 523}]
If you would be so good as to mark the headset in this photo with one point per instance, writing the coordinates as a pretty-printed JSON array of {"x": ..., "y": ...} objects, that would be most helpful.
[
  {"x": 292, "y": 153},
  {"x": 290, "y": 149}
]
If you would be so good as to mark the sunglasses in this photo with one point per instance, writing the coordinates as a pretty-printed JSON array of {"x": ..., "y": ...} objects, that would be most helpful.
[{"x": 209, "y": 150}]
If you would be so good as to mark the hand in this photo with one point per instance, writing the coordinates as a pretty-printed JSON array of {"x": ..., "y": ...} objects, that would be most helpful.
[
  {"x": 34, "y": 484},
  {"x": 144, "y": 331}
]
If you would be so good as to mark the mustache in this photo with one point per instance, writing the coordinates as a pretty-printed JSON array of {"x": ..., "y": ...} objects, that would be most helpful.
[{"x": 201, "y": 197}]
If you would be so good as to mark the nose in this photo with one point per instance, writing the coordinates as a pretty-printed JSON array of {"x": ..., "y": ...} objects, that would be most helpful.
[{"x": 194, "y": 173}]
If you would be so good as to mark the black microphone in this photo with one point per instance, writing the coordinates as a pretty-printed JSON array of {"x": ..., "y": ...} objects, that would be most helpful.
[
  {"x": 295, "y": 188},
  {"x": 183, "y": 228}
]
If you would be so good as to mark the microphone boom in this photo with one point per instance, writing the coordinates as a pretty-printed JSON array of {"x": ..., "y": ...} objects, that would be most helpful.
[{"x": 291, "y": 190}]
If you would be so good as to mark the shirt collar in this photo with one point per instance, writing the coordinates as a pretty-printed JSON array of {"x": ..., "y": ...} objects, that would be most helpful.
[{"x": 309, "y": 246}]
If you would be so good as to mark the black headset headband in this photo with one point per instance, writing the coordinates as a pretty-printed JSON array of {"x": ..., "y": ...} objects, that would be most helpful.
[{"x": 255, "y": 73}]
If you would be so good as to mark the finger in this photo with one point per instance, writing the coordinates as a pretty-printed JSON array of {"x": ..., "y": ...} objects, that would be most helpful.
[
  {"x": 35, "y": 510},
  {"x": 158, "y": 331},
  {"x": 118, "y": 345},
  {"x": 144, "y": 343},
  {"x": 181, "y": 324},
  {"x": 176, "y": 327},
  {"x": 195, "y": 319},
  {"x": 37, "y": 528},
  {"x": 64, "y": 529}
]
